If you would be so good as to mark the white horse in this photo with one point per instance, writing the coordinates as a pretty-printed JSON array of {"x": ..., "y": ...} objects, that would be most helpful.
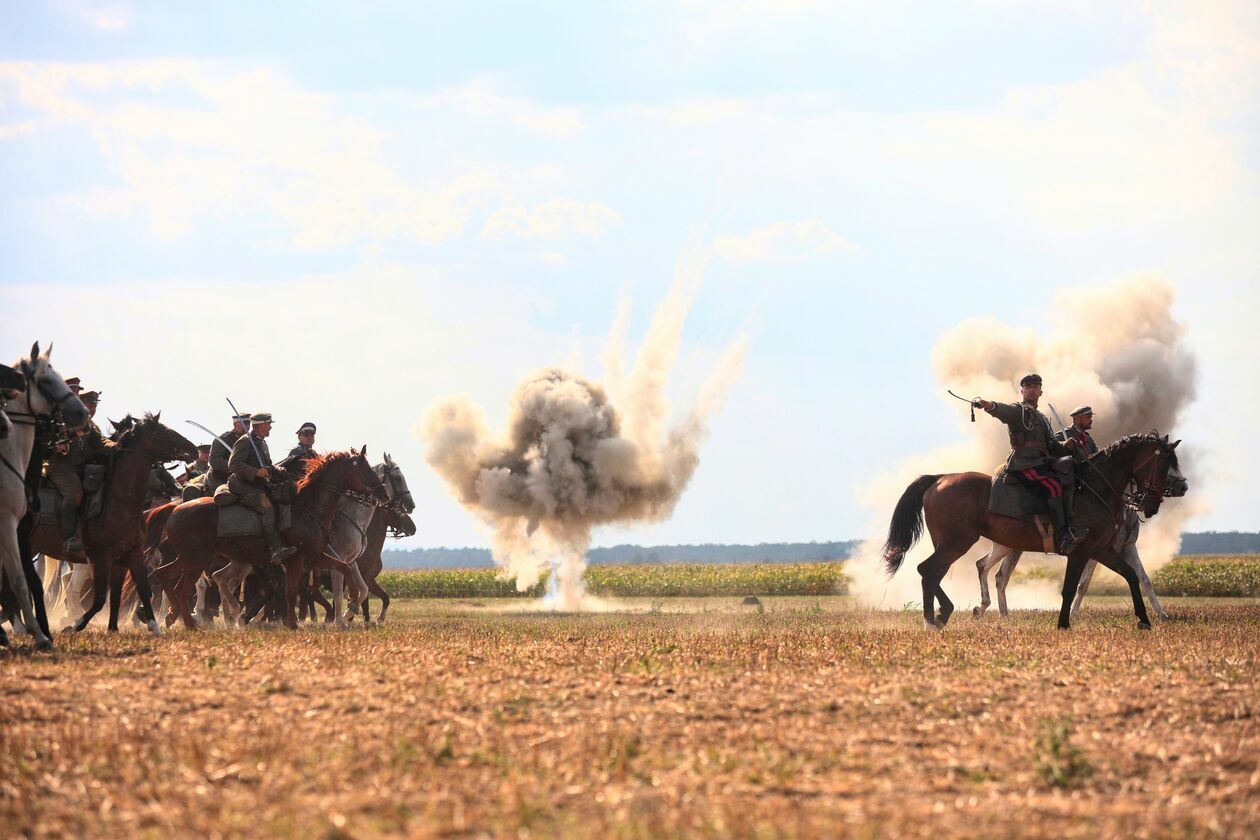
[
  {"x": 352, "y": 528},
  {"x": 45, "y": 394}
]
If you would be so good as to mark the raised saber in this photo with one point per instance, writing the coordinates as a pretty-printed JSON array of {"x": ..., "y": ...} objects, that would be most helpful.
[
  {"x": 237, "y": 414},
  {"x": 212, "y": 434},
  {"x": 1058, "y": 419}
]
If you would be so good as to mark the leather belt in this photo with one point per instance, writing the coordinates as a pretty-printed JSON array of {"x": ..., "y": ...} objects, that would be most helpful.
[{"x": 1039, "y": 446}]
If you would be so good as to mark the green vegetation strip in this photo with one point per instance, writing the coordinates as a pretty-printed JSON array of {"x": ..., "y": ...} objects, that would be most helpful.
[
  {"x": 1227, "y": 576},
  {"x": 689, "y": 580}
]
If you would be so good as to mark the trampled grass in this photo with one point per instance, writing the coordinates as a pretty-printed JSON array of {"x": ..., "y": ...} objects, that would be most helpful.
[{"x": 809, "y": 718}]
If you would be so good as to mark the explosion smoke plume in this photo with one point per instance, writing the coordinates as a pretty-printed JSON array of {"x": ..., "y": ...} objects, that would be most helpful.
[
  {"x": 1115, "y": 348},
  {"x": 571, "y": 460}
]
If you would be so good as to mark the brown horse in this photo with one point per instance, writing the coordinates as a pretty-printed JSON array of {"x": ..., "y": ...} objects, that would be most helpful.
[
  {"x": 192, "y": 527},
  {"x": 956, "y": 508},
  {"x": 116, "y": 537},
  {"x": 370, "y": 563}
]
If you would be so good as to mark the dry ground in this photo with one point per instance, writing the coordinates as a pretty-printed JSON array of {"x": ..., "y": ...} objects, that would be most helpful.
[{"x": 808, "y": 719}]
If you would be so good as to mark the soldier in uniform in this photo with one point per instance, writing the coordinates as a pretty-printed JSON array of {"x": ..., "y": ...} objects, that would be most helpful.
[
  {"x": 65, "y": 470},
  {"x": 219, "y": 472},
  {"x": 1082, "y": 422},
  {"x": 296, "y": 460},
  {"x": 1033, "y": 446},
  {"x": 202, "y": 465},
  {"x": 251, "y": 467},
  {"x": 162, "y": 487}
]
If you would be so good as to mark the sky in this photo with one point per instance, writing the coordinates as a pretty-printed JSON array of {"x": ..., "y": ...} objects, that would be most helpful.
[{"x": 342, "y": 212}]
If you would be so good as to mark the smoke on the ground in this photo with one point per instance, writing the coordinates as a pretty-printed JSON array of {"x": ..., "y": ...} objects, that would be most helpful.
[
  {"x": 1114, "y": 347},
  {"x": 577, "y": 454}
]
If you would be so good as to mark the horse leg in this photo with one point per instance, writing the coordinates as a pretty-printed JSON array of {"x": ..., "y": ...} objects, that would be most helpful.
[
  {"x": 1148, "y": 589},
  {"x": 116, "y": 579},
  {"x": 375, "y": 589},
  {"x": 1120, "y": 567},
  {"x": 338, "y": 593},
  {"x": 1003, "y": 577},
  {"x": 1071, "y": 578},
  {"x": 933, "y": 571},
  {"x": 1086, "y": 576},
  {"x": 359, "y": 589},
  {"x": 11, "y": 568},
  {"x": 100, "y": 588},
  {"x": 982, "y": 568},
  {"x": 293, "y": 573},
  {"x": 34, "y": 583},
  {"x": 139, "y": 568},
  {"x": 229, "y": 580}
]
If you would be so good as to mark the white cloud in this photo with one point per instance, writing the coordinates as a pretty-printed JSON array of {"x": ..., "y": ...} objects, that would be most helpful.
[
  {"x": 556, "y": 219},
  {"x": 479, "y": 98},
  {"x": 782, "y": 242}
]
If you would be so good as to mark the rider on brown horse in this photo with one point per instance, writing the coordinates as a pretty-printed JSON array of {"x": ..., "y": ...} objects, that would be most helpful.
[
  {"x": 219, "y": 472},
  {"x": 252, "y": 470},
  {"x": 1033, "y": 447},
  {"x": 65, "y": 470}
]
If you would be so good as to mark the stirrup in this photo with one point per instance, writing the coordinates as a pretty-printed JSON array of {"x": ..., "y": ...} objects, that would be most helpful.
[
  {"x": 282, "y": 553},
  {"x": 1070, "y": 539}
]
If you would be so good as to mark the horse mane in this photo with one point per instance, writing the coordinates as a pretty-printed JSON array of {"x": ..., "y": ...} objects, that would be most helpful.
[
  {"x": 317, "y": 466},
  {"x": 1132, "y": 440}
]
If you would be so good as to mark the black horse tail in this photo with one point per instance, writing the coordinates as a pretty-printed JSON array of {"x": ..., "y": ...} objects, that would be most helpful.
[{"x": 907, "y": 523}]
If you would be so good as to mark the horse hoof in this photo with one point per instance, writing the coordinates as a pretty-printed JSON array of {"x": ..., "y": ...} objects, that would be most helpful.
[
  {"x": 976, "y": 612},
  {"x": 153, "y": 628},
  {"x": 44, "y": 645},
  {"x": 1144, "y": 625},
  {"x": 69, "y": 630},
  {"x": 931, "y": 625},
  {"x": 1065, "y": 627}
]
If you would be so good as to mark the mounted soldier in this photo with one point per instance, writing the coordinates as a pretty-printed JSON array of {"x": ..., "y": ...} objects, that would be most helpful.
[
  {"x": 66, "y": 468},
  {"x": 1034, "y": 449},
  {"x": 162, "y": 487},
  {"x": 1082, "y": 422},
  {"x": 218, "y": 471},
  {"x": 295, "y": 461},
  {"x": 251, "y": 472},
  {"x": 202, "y": 465}
]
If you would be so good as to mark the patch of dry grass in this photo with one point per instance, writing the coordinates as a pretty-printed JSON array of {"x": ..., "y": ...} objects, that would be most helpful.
[{"x": 807, "y": 719}]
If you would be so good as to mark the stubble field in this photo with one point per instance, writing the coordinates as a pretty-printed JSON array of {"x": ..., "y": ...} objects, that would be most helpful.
[{"x": 806, "y": 717}]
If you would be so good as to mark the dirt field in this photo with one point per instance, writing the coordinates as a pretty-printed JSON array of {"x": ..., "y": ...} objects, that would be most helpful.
[{"x": 808, "y": 718}]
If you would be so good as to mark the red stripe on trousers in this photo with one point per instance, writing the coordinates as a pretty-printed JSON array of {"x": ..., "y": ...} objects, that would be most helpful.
[{"x": 1056, "y": 490}]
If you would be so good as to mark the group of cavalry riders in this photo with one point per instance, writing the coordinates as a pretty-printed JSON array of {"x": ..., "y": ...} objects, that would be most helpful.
[{"x": 237, "y": 467}]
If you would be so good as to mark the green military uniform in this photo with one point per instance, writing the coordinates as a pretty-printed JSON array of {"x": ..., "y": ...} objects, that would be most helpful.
[
  {"x": 65, "y": 473},
  {"x": 249, "y": 456},
  {"x": 219, "y": 471},
  {"x": 1033, "y": 442},
  {"x": 1084, "y": 439},
  {"x": 1034, "y": 447},
  {"x": 162, "y": 486}
]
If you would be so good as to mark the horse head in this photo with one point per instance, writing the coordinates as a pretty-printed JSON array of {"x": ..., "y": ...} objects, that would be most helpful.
[
  {"x": 160, "y": 442},
  {"x": 347, "y": 471},
  {"x": 395, "y": 484},
  {"x": 51, "y": 394},
  {"x": 1157, "y": 473}
]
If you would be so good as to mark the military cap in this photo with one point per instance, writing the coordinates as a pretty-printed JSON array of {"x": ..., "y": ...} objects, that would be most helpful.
[
  {"x": 260, "y": 417},
  {"x": 203, "y": 447},
  {"x": 73, "y": 384},
  {"x": 308, "y": 426},
  {"x": 1082, "y": 410},
  {"x": 90, "y": 396},
  {"x": 1030, "y": 379}
]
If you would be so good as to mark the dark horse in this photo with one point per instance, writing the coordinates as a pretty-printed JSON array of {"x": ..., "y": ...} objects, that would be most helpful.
[
  {"x": 116, "y": 537},
  {"x": 192, "y": 532},
  {"x": 956, "y": 508}
]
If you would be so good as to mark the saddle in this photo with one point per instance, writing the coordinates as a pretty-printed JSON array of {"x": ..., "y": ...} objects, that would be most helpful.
[
  {"x": 50, "y": 501},
  {"x": 1008, "y": 496},
  {"x": 239, "y": 521}
]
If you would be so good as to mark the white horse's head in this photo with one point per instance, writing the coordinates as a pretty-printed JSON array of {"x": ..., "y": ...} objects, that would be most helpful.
[
  {"x": 395, "y": 484},
  {"x": 47, "y": 392}
]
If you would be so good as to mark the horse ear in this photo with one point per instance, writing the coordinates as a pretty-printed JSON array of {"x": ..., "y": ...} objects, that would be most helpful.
[
  {"x": 157, "y": 417},
  {"x": 363, "y": 451},
  {"x": 1174, "y": 446},
  {"x": 34, "y": 351},
  {"x": 48, "y": 352}
]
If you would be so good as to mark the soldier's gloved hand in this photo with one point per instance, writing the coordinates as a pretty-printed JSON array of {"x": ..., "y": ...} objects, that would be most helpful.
[
  {"x": 982, "y": 403},
  {"x": 262, "y": 474}
]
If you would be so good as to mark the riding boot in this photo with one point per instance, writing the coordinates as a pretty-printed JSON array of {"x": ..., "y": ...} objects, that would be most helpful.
[
  {"x": 69, "y": 521},
  {"x": 1065, "y": 537},
  {"x": 279, "y": 551}
]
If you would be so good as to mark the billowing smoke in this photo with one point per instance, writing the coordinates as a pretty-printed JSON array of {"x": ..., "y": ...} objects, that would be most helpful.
[
  {"x": 1115, "y": 348},
  {"x": 577, "y": 455}
]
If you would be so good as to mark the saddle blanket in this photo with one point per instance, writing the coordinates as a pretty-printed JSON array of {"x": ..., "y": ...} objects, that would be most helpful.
[
  {"x": 1018, "y": 502},
  {"x": 240, "y": 521},
  {"x": 50, "y": 506}
]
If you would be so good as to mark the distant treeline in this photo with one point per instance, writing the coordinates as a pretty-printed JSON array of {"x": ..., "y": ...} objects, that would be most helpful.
[
  {"x": 629, "y": 555},
  {"x": 1221, "y": 542}
]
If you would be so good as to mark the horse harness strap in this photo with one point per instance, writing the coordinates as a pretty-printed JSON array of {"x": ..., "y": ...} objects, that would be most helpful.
[
  {"x": 13, "y": 469},
  {"x": 350, "y": 519}
]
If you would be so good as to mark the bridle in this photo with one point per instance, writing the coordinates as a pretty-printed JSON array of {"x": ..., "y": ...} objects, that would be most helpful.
[
  {"x": 1135, "y": 500},
  {"x": 53, "y": 422},
  {"x": 390, "y": 471}
]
